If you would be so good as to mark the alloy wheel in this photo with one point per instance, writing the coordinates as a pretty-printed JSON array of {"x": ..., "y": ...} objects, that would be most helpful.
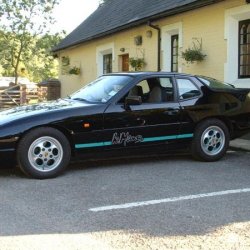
[{"x": 45, "y": 154}]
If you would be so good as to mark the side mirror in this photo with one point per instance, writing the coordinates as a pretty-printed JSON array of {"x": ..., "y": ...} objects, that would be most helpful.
[{"x": 132, "y": 100}]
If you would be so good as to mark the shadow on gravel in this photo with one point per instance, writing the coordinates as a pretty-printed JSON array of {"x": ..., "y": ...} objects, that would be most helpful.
[{"x": 61, "y": 205}]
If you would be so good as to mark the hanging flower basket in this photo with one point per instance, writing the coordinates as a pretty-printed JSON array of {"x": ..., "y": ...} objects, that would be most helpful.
[
  {"x": 137, "y": 63},
  {"x": 74, "y": 71},
  {"x": 194, "y": 54}
]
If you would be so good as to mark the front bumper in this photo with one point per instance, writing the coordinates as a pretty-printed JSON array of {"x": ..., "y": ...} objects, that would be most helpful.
[
  {"x": 8, "y": 152},
  {"x": 7, "y": 158}
]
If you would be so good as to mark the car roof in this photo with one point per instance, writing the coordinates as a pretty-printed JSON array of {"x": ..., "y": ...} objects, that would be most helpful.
[{"x": 149, "y": 73}]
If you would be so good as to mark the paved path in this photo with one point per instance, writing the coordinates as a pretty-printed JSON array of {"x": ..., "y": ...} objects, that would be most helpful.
[
  {"x": 200, "y": 205},
  {"x": 240, "y": 144}
]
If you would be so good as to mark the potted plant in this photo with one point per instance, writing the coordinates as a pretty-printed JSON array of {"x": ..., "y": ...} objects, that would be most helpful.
[
  {"x": 137, "y": 63},
  {"x": 74, "y": 71}
]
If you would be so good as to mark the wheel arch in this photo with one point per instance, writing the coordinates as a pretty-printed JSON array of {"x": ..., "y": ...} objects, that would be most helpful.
[
  {"x": 66, "y": 132},
  {"x": 224, "y": 119}
]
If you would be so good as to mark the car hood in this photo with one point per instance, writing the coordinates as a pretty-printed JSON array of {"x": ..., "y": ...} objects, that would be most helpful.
[{"x": 48, "y": 108}]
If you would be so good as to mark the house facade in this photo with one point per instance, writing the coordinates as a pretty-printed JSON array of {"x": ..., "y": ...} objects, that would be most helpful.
[{"x": 156, "y": 37}]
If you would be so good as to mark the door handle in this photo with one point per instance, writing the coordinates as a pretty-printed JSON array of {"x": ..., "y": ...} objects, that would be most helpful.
[
  {"x": 172, "y": 112},
  {"x": 141, "y": 121}
]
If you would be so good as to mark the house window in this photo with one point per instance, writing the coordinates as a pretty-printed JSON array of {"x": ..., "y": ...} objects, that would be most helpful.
[
  {"x": 107, "y": 64},
  {"x": 171, "y": 42},
  {"x": 244, "y": 49},
  {"x": 174, "y": 53}
]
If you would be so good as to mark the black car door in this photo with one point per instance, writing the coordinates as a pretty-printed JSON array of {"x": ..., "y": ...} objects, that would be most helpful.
[
  {"x": 193, "y": 108},
  {"x": 155, "y": 121}
]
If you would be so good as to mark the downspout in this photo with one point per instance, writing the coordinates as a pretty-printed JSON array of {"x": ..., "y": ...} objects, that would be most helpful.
[{"x": 159, "y": 44}]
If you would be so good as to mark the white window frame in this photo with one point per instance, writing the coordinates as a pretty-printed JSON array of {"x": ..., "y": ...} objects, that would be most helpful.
[
  {"x": 167, "y": 32},
  {"x": 100, "y": 52},
  {"x": 232, "y": 18}
]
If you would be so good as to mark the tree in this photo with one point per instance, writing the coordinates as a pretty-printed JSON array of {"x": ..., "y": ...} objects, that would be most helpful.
[{"x": 22, "y": 21}]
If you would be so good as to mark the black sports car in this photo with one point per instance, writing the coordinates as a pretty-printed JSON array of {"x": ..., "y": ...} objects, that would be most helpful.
[{"x": 125, "y": 112}]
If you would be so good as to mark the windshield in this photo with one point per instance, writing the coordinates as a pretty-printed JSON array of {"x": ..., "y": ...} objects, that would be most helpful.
[
  {"x": 102, "y": 89},
  {"x": 215, "y": 84}
]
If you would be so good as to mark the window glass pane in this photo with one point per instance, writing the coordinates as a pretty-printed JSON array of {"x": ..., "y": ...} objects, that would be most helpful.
[
  {"x": 153, "y": 90},
  {"x": 140, "y": 89},
  {"x": 174, "y": 53},
  {"x": 242, "y": 29},
  {"x": 215, "y": 84},
  {"x": 167, "y": 88},
  {"x": 166, "y": 82},
  {"x": 187, "y": 89},
  {"x": 241, "y": 70},
  {"x": 102, "y": 89},
  {"x": 144, "y": 86},
  {"x": 248, "y": 34},
  {"x": 174, "y": 67},
  {"x": 107, "y": 64}
]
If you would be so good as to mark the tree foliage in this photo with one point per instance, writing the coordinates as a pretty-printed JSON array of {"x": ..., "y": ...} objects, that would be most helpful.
[
  {"x": 37, "y": 62},
  {"x": 43, "y": 65},
  {"x": 22, "y": 23}
]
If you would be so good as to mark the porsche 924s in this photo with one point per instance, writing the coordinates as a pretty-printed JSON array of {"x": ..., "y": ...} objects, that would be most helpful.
[{"x": 125, "y": 112}]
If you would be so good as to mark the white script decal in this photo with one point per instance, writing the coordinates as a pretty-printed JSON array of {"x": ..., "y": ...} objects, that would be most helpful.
[{"x": 125, "y": 138}]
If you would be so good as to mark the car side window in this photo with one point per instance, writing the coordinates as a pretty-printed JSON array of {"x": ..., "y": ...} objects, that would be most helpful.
[
  {"x": 153, "y": 90},
  {"x": 157, "y": 90},
  {"x": 140, "y": 89},
  {"x": 187, "y": 89},
  {"x": 168, "y": 89},
  {"x": 144, "y": 85}
]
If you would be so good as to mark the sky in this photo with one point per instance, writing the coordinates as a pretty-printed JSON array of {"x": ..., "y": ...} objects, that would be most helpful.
[{"x": 70, "y": 13}]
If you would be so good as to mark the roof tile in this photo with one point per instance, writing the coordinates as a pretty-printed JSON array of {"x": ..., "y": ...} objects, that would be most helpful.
[{"x": 117, "y": 15}]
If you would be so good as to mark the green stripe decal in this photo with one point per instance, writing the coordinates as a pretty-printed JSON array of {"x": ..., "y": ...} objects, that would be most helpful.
[
  {"x": 160, "y": 138},
  {"x": 149, "y": 139},
  {"x": 93, "y": 145},
  {"x": 185, "y": 136}
]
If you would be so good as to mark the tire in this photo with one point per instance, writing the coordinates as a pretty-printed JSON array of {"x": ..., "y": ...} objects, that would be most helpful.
[
  {"x": 211, "y": 140},
  {"x": 43, "y": 153}
]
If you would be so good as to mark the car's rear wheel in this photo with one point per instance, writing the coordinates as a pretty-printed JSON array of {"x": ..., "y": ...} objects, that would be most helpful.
[
  {"x": 43, "y": 153},
  {"x": 211, "y": 140}
]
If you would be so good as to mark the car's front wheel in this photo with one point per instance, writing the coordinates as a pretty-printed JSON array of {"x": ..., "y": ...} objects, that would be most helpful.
[
  {"x": 211, "y": 140},
  {"x": 43, "y": 153}
]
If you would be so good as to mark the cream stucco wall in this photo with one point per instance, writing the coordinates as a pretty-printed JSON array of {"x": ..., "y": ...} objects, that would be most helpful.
[
  {"x": 85, "y": 56},
  {"x": 206, "y": 24}
]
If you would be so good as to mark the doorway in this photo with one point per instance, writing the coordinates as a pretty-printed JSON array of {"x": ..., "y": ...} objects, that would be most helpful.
[{"x": 125, "y": 63}]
